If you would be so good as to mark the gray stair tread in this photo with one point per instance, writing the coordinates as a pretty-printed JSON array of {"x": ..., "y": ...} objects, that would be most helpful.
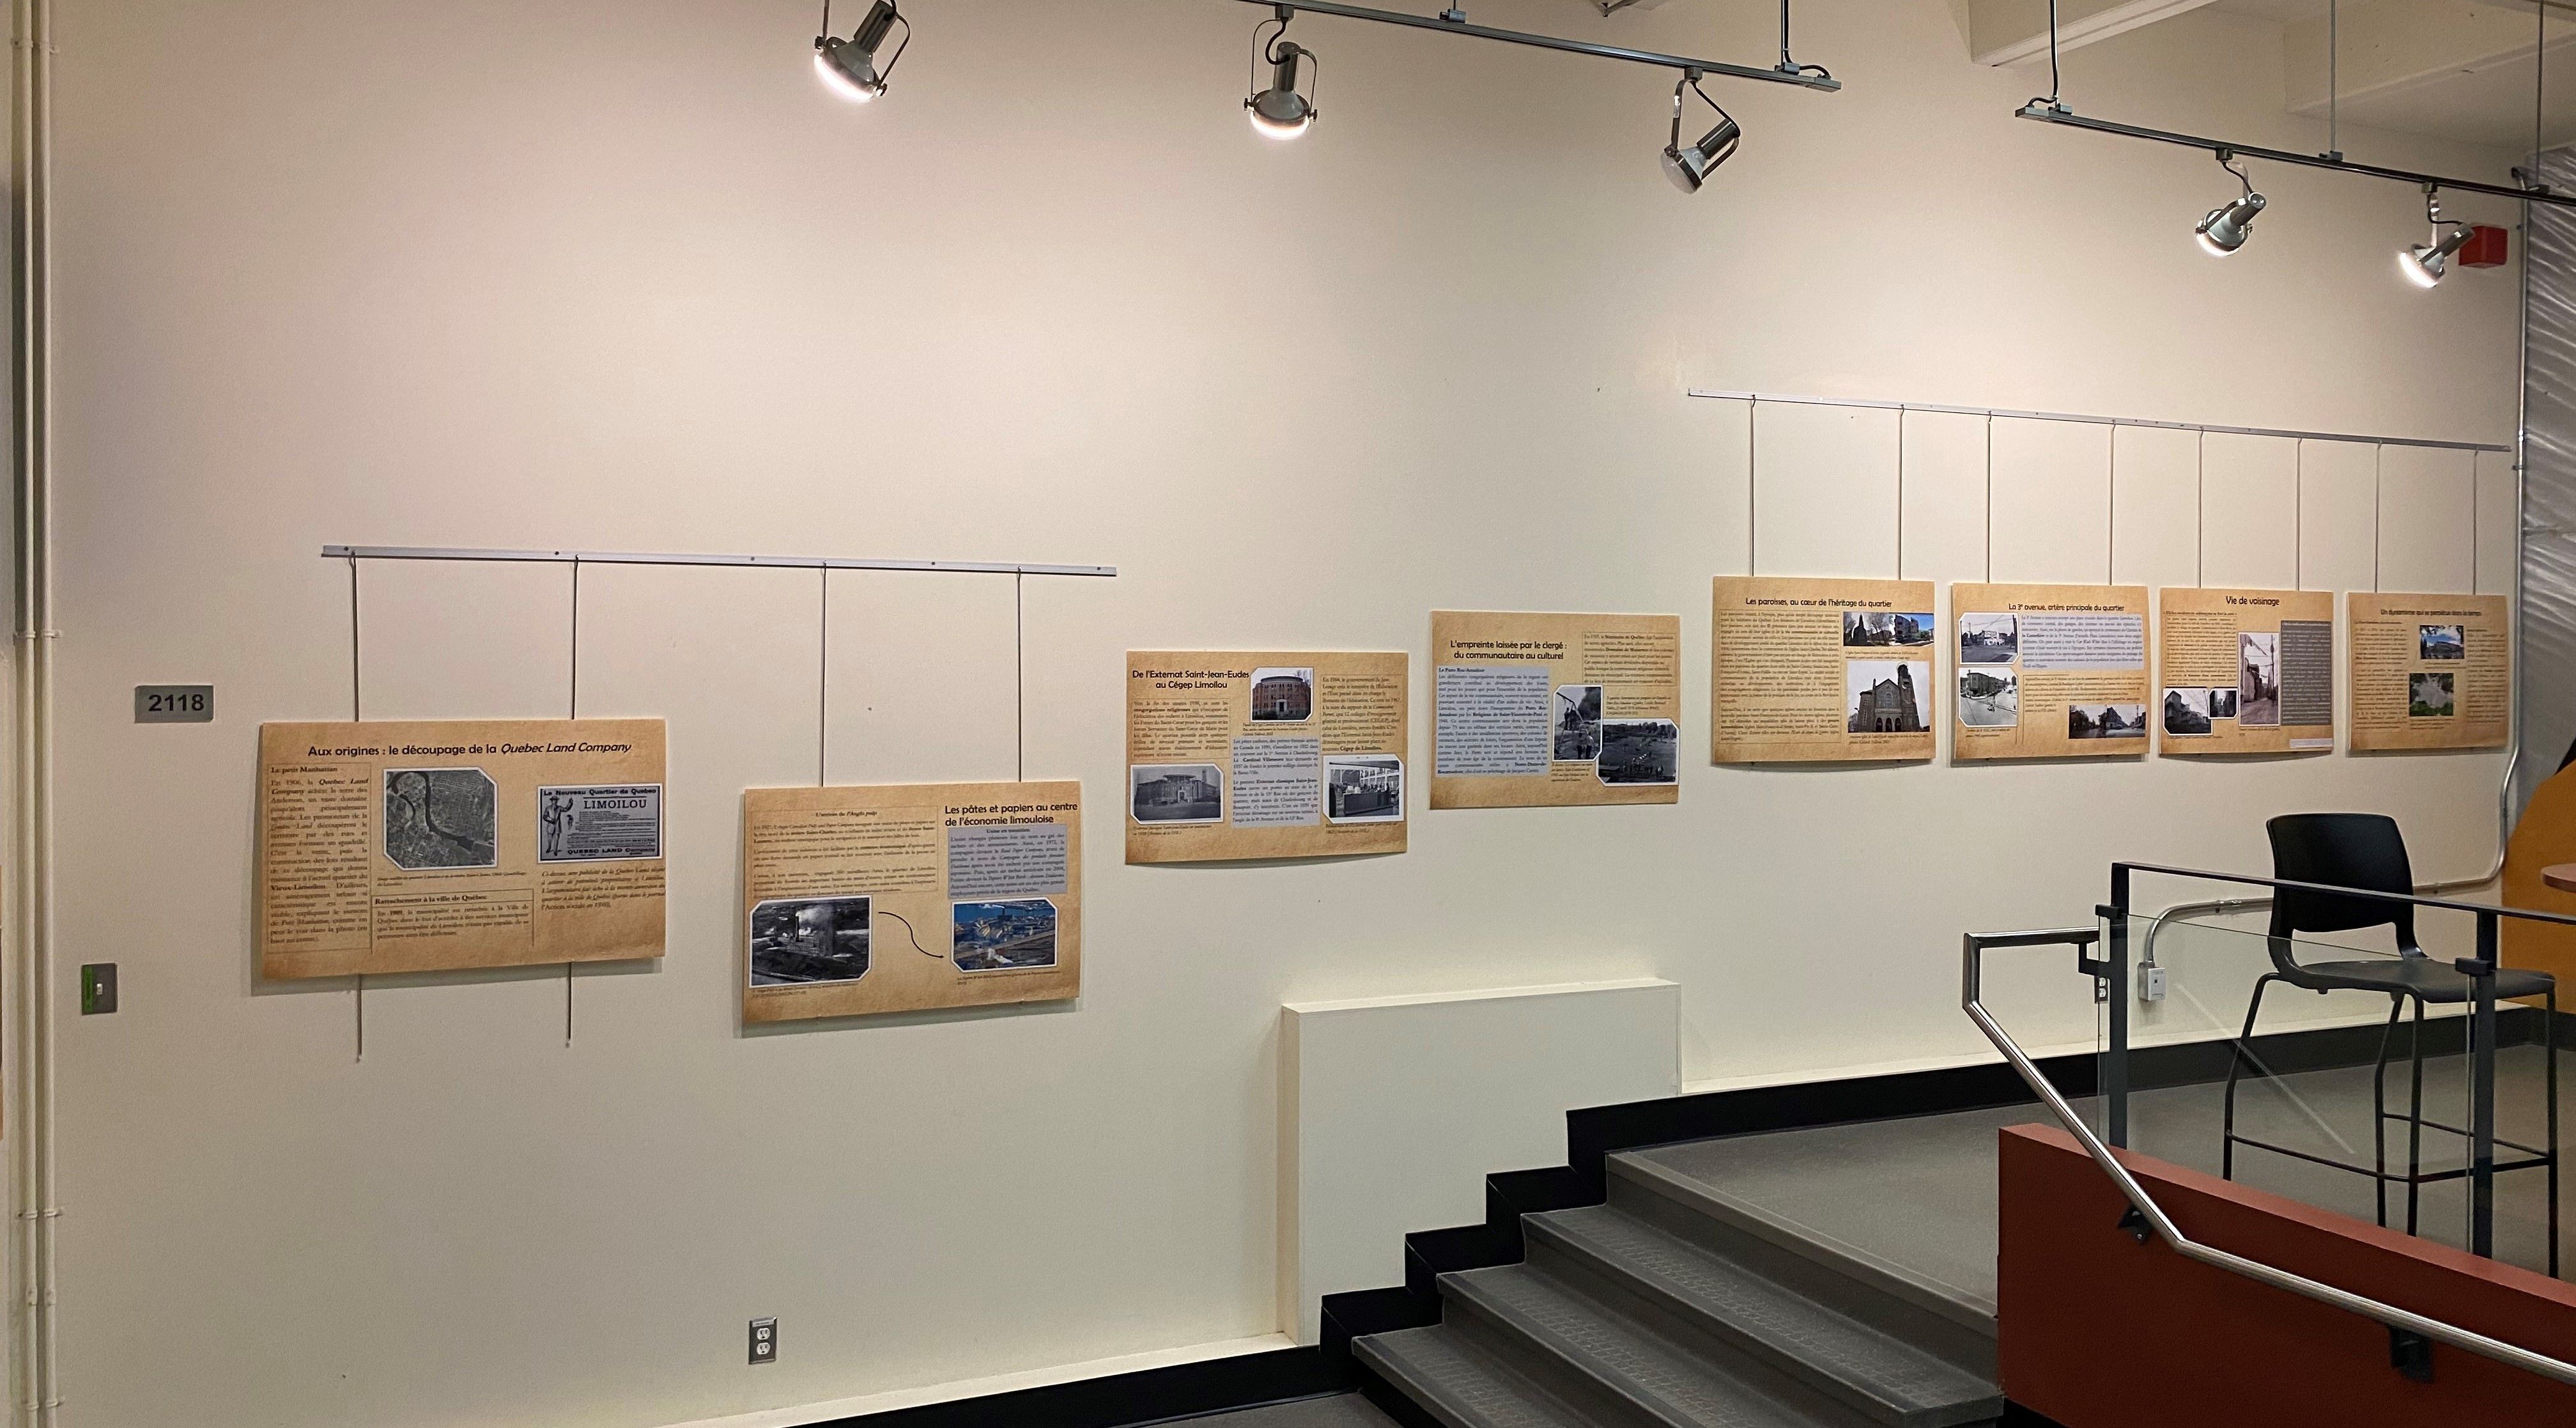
[
  {"x": 1883, "y": 1376},
  {"x": 1459, "y": 1383},
  {"x": 1915, "y": 1194},
  {"x": 1629, "y": 1358},
  {"x": 1960, "y": 1297}
]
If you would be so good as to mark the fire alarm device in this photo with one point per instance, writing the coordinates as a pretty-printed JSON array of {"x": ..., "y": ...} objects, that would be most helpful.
[{"x": 2486, "y": 248}]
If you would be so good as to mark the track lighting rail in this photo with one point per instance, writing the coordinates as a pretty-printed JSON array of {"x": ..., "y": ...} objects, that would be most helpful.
[
  {"x": 1805, "y": 76},
  {"x": 2044, "y": 111}
]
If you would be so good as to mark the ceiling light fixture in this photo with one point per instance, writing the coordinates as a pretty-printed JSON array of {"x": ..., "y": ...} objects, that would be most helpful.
[
  {"x": 1280, "y": 112},
  {"x": 2230, "y": 224},
  {"x": 2425, "y": 263},
  {"x": 1690, "y": 167},
  {"x": 850, "y": 66}
]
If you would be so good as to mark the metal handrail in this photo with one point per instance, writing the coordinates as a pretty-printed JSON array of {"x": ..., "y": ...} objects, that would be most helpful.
[
  {"x": 1972, "y": 958},
  {"x": 2120, "y": 872}
]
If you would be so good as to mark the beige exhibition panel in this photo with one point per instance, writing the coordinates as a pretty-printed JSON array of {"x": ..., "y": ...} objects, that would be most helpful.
[
  {"x": 1553, "y": 710},
  {"x": 419, "y": 847},
  {"x": 907, "y": 897},
  {"x": 2430, "y": 671},
  {"x": 1234, "y": 754},
  {"x": 2244, "y": 671},
  {"x": 2049, "y": 671},
  {"x": 1817, "y": 671}
]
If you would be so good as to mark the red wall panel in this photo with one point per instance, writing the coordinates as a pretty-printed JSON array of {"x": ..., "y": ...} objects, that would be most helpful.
[{"x": 2099, "y": 1331}]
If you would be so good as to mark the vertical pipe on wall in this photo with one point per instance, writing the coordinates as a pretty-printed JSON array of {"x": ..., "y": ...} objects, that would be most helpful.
[{"x": 31, "y": 918}]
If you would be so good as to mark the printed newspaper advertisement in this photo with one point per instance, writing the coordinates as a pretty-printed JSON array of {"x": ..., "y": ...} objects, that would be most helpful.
[
  {"x": 1818, "y": 671},
  {"x": 2430, "y": 671},
  {"x": 906, "y": 897},
  {"x": 1236, "y": 754},
  {"x": 1548, "y": 710},
  {"x": 418, "y": 847},
  {"x": 2049, "y": 671},
  {"x": 2244, "y": 671}
]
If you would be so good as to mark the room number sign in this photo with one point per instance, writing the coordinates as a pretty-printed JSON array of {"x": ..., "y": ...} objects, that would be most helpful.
[{"x": 174, "y": 704}]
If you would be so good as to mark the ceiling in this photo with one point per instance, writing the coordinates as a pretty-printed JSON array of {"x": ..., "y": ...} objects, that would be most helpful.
[{"x": 2459, "y": 70}]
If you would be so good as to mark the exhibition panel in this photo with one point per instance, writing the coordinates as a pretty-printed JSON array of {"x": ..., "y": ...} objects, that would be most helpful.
[
  {"x": 1822, "y": 670},
  {"x": 1245, "y": 755},
  {"x": 2051, "y": 671},
  {"x": 417, "y": 847},
  {"x": 989, "y": 873},
  {"x": 2245, "y": 671},
  {"x": 1554, "y": 710}
]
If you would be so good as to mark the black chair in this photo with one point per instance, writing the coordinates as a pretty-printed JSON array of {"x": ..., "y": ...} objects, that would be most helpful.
[{"x": 2365, "y": 850}]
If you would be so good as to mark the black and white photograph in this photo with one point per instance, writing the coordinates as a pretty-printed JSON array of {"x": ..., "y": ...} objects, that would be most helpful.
[
  {"x": 1176, "y": 793},
  {"x": 1886, "y": 696},
  {"x": 2186, "y": 711},
  {"x": 2106, "y": 721},
  {"x": 1988, "y": 639},
  {"x": 1874, "y": 629},
  {"x": 1640, "y": 751},
  {"x": 799, "y": 941},
  {"x": 439, "y": 818},
  {"x": 599, "y": 823},
  {"x": 2432, "y": 696},
  {"x": 1012, "y": 936},
  {"x": 2222, "y": 703},
  {"x": 2259, "y": 679},
  {"x": 1364, "y": 788},
  {"x": 1283, "y": 695},
  {"x": 2441, "y": 642},
  {"x": 1989, "y": 698},
  {"x": 1578, "y": 723}
]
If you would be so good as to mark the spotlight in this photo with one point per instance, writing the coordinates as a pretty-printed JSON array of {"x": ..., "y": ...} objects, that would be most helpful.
[
  {"x": 1689, "y": 166},
  {"x": 850, "y": 66},
  {"x": 2230, "y": 224},
  {"x": 1280, "y": 112},
  {"x": 2425, "y": 263}
]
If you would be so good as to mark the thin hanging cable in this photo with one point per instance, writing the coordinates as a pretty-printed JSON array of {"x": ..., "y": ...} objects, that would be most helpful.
[
  {"x": 2334, "y": 79},
  {"x": 1788, "y": 65},
  {"x": 2055, "y": 85}
]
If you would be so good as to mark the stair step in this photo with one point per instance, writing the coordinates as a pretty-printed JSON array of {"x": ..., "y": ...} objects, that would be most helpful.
[
  {"x": 1874, "y": 1373},
  {"x": 1803, "y": 1256},
  {"x": 1458, "y": 1383},
  {"x": 1655, "y": 1379}
]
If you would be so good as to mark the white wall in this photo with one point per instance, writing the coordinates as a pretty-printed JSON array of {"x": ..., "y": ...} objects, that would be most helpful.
[{"x": 619, "y": 276}]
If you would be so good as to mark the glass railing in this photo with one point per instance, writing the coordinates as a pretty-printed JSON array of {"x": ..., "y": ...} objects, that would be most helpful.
[
  {"x": 2329, "y": 1068},
  {"x": 2279, "y": 1065}
]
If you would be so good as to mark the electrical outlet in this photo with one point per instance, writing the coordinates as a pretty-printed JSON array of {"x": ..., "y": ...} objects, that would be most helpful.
[
  {"x": 2151, "y": 982},
  {"x": 764, "y": 1341}
]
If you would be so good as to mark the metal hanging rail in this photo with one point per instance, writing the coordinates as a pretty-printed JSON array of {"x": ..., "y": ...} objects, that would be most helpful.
[
  {"x": 629, "y": 557},
  {"x": 1453, "y": 21},
  {"x": 2090, "y": 420}
]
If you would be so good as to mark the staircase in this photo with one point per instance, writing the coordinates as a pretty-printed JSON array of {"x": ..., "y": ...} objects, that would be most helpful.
[{"x": 1673, "y": 1306}]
